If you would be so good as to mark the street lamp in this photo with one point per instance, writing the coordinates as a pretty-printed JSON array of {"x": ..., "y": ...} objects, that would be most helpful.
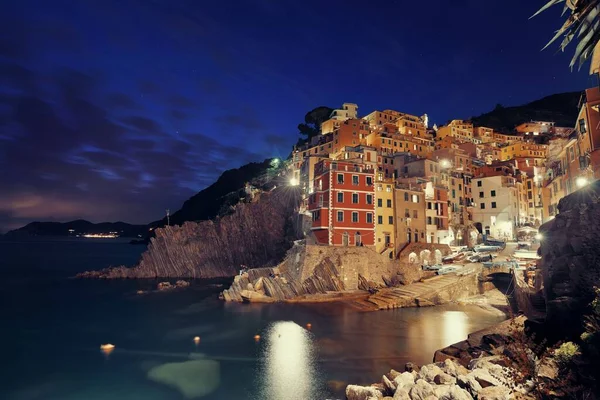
[
  {"x": 445, "y": 163},
  {"x": 294, "y": 182},
  {"x": 581, "y": 181}
]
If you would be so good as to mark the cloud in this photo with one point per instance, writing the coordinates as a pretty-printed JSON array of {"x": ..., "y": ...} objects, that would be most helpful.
[
  {"x": 245, "y": 119},
  {"x": 71, "y": 155}
]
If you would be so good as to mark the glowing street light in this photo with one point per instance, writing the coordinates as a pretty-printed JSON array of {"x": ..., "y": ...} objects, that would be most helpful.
[
  {"x": 581, "y": 182},
  {"x": 539, "y": 236},
  {"x": 445, "y": 163},
  {"x": 294, "y": 182}
]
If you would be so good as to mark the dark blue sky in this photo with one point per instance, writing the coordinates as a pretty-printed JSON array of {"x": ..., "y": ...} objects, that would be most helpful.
[{"x": 118, "y": 109}]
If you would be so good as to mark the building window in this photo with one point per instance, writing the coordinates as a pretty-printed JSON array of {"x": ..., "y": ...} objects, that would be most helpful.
[
  {"x": 389, "y": 203},
  {"x": 493, "y": 204},
  {"x": 415, "y": 198},
  {"x": 528, "y": 184},
  {"x": 493, "y": 193},
  {"x": 388, "y": 188},
  {"x": 340, "y": 216},
  {"x": 453, "y": 193},
  {"x": 354, "y": 198},
  {"x": 316, "y": 215},
  {"x": 340, "y": 178},
  {"x": 354, "y": 216},
  {"x": 379, "y": 188},
  {"x": 355, "y": 180},
  {"x": 380, "y": 219},
  {"x": 369, "y": 218},
  {"x": 379, "y": 203},
  {"x": 480, "y": 195},
  {"x": 483, "y": 206},
  {"x": 429, "y": 205},
  {"x": 369, "y": 199},
  {"x": 369, "y": 181},
  {"x": 391, "y": 220},
  {"x": 415, "y": 214},
  {"x": 429, "y": 221},
  {"x": 478, "y": 183},
  {"x": 340, "y": 197},
  {"x": 405, "y": 196}
]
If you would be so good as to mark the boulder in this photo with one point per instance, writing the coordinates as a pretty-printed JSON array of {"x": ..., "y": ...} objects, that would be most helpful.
[
  {"x": 355, "y": 392},
  {"x": 401, "y": 394},
  {"x": 494, "y": 393},
  {"x": 444, "y": 379},
  {"x": 181, "y": 283},
  {"x": 429, "y": 372},
  {"x": 164, "y": 286},
  {"x": 452, "y": 368},
  {"x": 404, "y": 379},
  {"x": 451, "y": 392},
  {"x": 393, "y": 374},
  {"x": 421, "y": 390},
  {"x": 389, "y": 385},
  {"x": 469, "y": 383},
  {"x": 484, "y": 378}
]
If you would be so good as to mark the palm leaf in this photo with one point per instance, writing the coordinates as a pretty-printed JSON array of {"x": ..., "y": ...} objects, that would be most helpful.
[{"x": 547, "y": 6}]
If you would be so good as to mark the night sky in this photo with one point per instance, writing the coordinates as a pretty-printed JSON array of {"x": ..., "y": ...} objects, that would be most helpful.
[{"x": 117, "y": 109}]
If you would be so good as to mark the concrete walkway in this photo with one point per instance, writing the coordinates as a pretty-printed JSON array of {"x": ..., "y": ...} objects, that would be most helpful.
[{"x": 417, "y": 294}]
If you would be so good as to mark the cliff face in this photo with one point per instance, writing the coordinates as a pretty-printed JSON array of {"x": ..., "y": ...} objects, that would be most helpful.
[
  {"x": 255, "y": 234},
  {"x": 570, "y": 261}
]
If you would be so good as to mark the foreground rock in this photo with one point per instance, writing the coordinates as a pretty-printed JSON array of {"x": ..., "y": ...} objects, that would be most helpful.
[
  {"x": 486, "y": 379},
  {"x": 570, "y": 262}
]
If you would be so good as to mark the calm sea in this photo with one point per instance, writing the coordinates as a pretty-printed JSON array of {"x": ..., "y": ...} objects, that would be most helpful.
[{"x": 52, "y": 328}]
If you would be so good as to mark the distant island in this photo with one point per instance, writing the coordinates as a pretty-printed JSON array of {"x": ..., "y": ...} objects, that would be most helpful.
[{"x": 81, "y": 228}]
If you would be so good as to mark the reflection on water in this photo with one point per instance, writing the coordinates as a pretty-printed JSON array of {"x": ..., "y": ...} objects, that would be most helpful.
[
  {"x": 455, "y": 326},
  {"x": 289, "y": 368}
]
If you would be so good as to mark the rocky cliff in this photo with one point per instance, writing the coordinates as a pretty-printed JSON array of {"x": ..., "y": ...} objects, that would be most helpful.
[
  {"x": 570, "y": 261},
  {"x": 255, "y": 234},
  {"x": 312, "y": 269}
]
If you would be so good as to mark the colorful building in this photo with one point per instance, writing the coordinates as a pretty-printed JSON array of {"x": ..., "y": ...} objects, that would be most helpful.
[{"x": 342, "y": 203}]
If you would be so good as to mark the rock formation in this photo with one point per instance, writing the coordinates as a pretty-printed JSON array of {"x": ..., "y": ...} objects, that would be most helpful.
[
  {"x": 486, "y": 378},
  {"x": 255, "y": 234},
  {"x": 313, "y": 269},
  {"x": 570, "y": 261}
]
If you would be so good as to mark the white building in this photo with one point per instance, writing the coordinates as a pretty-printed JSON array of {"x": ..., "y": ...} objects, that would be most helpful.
[{"x": 496, "y": 208}]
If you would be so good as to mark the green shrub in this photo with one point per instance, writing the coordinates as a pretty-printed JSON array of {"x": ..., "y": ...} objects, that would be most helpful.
[{"x": 566, "y": 352}]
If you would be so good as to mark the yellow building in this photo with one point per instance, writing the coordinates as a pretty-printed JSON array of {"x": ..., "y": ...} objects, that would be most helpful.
[
  {"x": 384, "y": 216},
  {"x": 462, "y": 130}
]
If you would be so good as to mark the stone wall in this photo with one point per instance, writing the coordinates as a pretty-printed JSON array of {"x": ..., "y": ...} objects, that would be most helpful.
[
  {"x": 570, "y": 261},
  {"x": 313, "y": 269}
]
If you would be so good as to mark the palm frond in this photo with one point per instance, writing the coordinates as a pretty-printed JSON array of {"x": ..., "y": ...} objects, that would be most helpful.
[
  {"x": 547, "y": 6},
  {"x": 583, "y": 22}
]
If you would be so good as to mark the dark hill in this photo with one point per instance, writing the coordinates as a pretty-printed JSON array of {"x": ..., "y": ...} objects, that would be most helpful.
[
  {"x": 211, "y": 201},
  {"x": 562, "y": 108},
  {"x": 79, "y": 226}
]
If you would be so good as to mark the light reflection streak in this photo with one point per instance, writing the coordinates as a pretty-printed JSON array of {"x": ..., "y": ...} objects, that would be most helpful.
[
  {"x": 289, "y": 367},
  {"x": 455, "y": 326}
]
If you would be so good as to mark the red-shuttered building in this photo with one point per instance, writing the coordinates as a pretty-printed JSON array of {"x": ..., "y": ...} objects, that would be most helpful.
[{"x": 342, "y": 203}]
